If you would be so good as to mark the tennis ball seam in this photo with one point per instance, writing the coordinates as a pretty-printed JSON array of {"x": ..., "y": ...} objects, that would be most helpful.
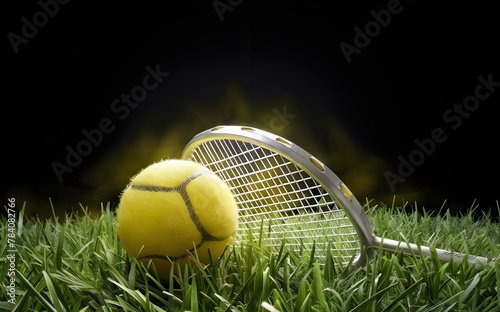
[{"x": 182, "y": 190}]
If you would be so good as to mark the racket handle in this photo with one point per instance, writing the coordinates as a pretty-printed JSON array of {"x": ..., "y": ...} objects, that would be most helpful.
[{"x": 443, "y": 255}]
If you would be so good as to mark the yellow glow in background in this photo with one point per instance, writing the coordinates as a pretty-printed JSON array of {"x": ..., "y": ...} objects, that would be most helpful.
[{"x": 106, "y": 177}]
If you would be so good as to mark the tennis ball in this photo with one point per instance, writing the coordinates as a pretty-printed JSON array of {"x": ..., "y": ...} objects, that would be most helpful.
[{"x": 174, "y": 208}]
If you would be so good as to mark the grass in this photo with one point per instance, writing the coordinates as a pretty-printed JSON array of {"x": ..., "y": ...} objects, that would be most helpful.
[{"x": 78, "y": 264}]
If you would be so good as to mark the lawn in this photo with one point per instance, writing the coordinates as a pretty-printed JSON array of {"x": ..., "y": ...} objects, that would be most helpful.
[{"x": 78, "y": 264}]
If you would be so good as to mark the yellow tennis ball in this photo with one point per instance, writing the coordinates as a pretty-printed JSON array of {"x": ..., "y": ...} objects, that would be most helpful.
[{"x": 174, "y": 208}]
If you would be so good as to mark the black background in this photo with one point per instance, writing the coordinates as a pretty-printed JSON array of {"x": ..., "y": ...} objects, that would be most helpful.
[{"x": 260, "y": 59}]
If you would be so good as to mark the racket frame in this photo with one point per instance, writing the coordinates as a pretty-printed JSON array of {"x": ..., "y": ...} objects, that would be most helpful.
[{"x": 345, "y": 199}]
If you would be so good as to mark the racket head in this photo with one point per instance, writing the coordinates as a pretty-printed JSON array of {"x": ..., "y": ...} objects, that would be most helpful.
[{"x": 284, "y": 193}]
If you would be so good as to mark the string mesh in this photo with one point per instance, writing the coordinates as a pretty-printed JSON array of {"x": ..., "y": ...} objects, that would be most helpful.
[{"x": 278, "y": 202}]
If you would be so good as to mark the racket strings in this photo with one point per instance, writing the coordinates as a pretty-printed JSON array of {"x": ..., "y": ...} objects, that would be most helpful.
[{"x": 277, "y": 200}]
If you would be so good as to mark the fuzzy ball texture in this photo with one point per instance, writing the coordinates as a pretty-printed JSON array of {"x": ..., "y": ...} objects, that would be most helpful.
[{"x": 174, "y": 208}]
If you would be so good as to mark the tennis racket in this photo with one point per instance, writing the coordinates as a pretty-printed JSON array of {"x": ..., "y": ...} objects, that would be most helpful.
[{"x": 284, "y": 194}]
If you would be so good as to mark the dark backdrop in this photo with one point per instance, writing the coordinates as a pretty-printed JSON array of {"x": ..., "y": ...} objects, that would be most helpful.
[{"x": 357, "y": 84}]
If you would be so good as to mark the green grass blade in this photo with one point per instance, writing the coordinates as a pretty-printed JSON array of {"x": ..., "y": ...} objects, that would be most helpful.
[
  {"x": 194, "y": 296},
  {"x": 403, "y": 295},
  {"x": 77, "y": 263},
  {"x": 37, "y": 294},
  {"x": 363, "y": 306},
  {"x": 59, "y": 250},
  {"x": 470, "y": 288},
  {"x": 317, "y": 288},
  {"x": 136, "y": 295},
  {"x": 269, "y": 307},
  {"x": 497, "y": 269},
  {"x": 54, "y": 294},
  {"x": 20, "y": 220}
]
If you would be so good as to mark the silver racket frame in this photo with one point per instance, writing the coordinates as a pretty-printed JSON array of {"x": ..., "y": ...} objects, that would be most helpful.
[{"x": 369, "y": 242}]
